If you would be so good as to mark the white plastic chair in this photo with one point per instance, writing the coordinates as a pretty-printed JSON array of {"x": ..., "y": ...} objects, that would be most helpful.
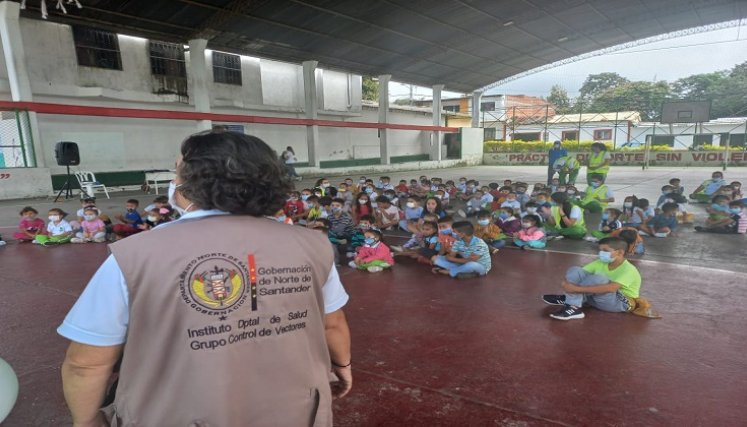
[{"x": 88, "y": 183}]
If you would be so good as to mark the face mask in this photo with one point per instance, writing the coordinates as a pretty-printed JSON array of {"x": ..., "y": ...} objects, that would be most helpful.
[
  {"x": 483, "y": 222},
  {"x": 369, "y": 190},
  {"x": 325, "y": 185},
  {"x": 152, "y": 218},
  {"x": 362, "y": 201},
  {"x": 605, "y": 257},
  {"x": 411, "y": 205},
  {"x": 462, "y": 182},
  {"x": 735, "y": 211},
  {"x": 362, "y": 181},
  {"x": 520, "y": 192},
  {"x": 471, "y": 186},
  {"x": 596, "y": 184},
  {"x": 628, "y": 204},
  {"x": 54, "y": 218},
  {"x": 280, "y": 218},
  {"x": 531, "y": 211},
  {"x": 336, "y": 210},
  {"x": 526, "y": 225},
  {"x": 715, "y": 206},
  {"x": 605, "y": 216},
  {"x": 369, "y": 241},
  {"x": 445, "y": 231},
  {"x": 349, "y": 183},
  {"x": 365, "y": 227},
  {"x": 716, "y": 178},
  {"x": 664, "y": 193},
  {"x": 438, "y": 196},
  {"x": 571, "y": 192},
  {"x": 503, "y": 215},
  {"x": 130, "y": 210},
  {"x": 89, "y": 217},
  {"x": 305, "y": 197},
  {"x": 172, "y": 200}
]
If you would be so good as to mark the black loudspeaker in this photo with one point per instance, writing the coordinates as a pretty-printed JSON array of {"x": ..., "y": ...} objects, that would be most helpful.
[{"x": 67, "y": 154}]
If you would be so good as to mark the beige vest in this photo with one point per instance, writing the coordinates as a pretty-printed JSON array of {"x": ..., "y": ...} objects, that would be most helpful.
[{"x": 226, "y": 325}]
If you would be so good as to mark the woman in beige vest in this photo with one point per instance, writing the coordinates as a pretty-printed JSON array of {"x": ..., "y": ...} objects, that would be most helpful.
[{"x": 222, "y": 318}]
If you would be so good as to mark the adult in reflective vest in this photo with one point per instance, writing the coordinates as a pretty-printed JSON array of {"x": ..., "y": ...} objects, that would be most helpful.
[
  {"x": 556, "y": 152},
  {"x": 597, "y": 195},
  {"x": 567, "y": 168},
  {"x": 223, "y": 317},
  {"x": 564, "y": 219},
  {"x": 599, "y": 162}
]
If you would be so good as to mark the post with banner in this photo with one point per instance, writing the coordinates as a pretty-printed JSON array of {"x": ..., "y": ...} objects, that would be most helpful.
[
  {"x": 726, "y": 152},
  {"x": 647, "y": 148}
]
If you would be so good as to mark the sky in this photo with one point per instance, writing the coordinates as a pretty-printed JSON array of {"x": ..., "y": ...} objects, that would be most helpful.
[{"x": 683, "y": 56}]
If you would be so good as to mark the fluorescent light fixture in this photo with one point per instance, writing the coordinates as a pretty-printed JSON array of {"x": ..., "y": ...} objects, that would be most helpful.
[
  {"x": 562, "y": 39},
  {"x": 508, "y": 23}
]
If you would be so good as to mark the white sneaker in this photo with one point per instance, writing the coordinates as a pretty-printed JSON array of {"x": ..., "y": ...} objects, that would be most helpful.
[
  {"x": 350, "y": 254},
  {"x": 36, "y": 242},
  {"x": 2, "y": 243},
  {"x": 462, "y": 213},
  {"x": 591, "y": 239},
  {"x": 661, "y": 235},
  {"x": 375, "y": 269},
  {"x": 558, "y": 237},
  {"x": 643, "y": 233},
  {"x": 397, "y": 248},
  {"x": 352, "y": 264}
]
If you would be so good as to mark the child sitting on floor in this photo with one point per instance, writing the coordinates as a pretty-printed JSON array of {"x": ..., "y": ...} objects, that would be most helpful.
[
  {"x": 357, "y": 239},
  {"x": 718, "y": 213},
  {"x": 446, "y": 237},
  {"x": 59, "y": 231},
  {"x": 642, "y": 214},
  {"x": 632, "y": 238},
  {"x": 474, "y": 204},
  {"x": 469, "y": 257},
  {"x": 489, "y": 232},
  {"x": 611, "y": 283},
  {"x": 413, "y": 211},
  {"x": 314, "y": 212},
  {"x": 629, "y": 205},
  {"x": 30, "y": 226},
  {"x": 737, "y": 223},
  {"x": 153, "y": 218},
  {"x": 386, "y": 214},
  {"x": 92, "y": 228},
  {"x": 294, "y": 208},
  {"x": 374, "y": 255},
  {"x": 610, "y": 222},
  {"x": 511, "y": 202},
  {"x": 531, "y": 234},
  {"x": 663, "y": 224},
  {"x": 428, "y": 248},
  {"x": 129, "y": 221},
  {"x": 508, "y": 222}
]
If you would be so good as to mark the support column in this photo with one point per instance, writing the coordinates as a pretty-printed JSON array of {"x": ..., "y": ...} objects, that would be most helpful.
[
  {"x": 15, "y": 62},
  {"x": 436, "y": 136},
  {"x": 199, "y": 72},
  {"x": 311, "y": 109},
  {"x": 476, "y": 108},
  {"x": 384, "y": 118}
]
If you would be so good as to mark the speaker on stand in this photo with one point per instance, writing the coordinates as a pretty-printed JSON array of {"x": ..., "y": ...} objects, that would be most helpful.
[{"x": 67, "y": 154}]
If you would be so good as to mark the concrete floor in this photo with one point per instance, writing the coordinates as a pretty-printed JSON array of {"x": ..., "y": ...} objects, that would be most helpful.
[{"x": 432, "y": 351}]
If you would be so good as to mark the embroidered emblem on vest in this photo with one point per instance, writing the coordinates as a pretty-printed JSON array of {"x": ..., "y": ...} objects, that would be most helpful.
[{"x": 215, "y": 284}]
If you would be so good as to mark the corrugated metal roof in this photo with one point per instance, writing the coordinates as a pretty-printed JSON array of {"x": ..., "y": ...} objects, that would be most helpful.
[
  {"x": 632, "y": 116},
  {"x": 464, "y": 44}
]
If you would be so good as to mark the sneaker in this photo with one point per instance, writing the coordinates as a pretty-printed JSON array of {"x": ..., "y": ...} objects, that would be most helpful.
[
  {"x": 494, "y": 251},
  {"x": 591, "y": 239},
  {"x": 396, "y": 248},
  {"x": 568, "y": 312},
  {"x": 464, "y": 276},
  {"x": 36, "y": 242},
  {"x": 462, "y": 213},
  {"x": 558, "y": 237},
  {"x": 375, "y": 269},
  {"x": 352, "y": 264},
  {"x": 2, "y": 243},
  {"x": 554, "y": 299},
  {"x": 643, "y": 233}
]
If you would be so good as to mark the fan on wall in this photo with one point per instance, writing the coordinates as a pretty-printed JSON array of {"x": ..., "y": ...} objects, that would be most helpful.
[{"x": 60, "y": 6}]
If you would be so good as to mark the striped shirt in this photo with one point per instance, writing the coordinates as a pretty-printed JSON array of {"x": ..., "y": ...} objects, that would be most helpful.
[{"x": 476, "y": 246}]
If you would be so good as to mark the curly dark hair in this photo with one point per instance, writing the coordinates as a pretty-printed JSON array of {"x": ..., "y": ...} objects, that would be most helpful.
[{"x": 233, "y": 172}]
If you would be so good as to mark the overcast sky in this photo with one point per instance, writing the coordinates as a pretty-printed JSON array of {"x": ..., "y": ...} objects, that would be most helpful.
[{"x": 665, "y": 60}]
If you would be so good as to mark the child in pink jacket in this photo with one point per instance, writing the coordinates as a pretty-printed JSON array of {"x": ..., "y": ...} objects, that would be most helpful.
[
  {"x": 374, "y": 255},
  {"x": 531, "y": 234}
]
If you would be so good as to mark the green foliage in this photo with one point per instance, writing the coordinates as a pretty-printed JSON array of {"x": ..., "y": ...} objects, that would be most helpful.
[
  {"x": 644, "y": 97},
  {"x": 709, "y": 147},
  {"x": 535, "y": 146},
  {"x": 596, "y": 84},
  {"x": 403, "y": 101},
  {"x": 559, "y": 98},
  {"x": 370, "y": 89}
]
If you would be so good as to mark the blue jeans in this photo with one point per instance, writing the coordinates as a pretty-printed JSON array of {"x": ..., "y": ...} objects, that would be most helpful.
[
  {"x": 613, "y": 302},
  {"x": 455, "y": 268},
  {"x": 497, "y": 244}
]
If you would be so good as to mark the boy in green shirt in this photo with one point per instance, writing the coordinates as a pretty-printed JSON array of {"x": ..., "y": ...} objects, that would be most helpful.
[{"x": 610, "y": 283}]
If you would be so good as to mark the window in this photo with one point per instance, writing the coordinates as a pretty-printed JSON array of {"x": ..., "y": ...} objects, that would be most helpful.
[
  {"x": 603, "y": 134},
  {"x": 451, "y": 108},
  {"x": 527, "y": 136},
  {"x": 569, "y": 135},
  {"x": 489, "y": 134},
  {"x": 96, "y": 48},
  {"x": 226, "y": 68},
  {"x": 167, "y": 59},
  {"x": 737, "y": 139},
  {"x": 667, "y": 140},
  {"x": 702, "y": 139},
  {"x": 487, "y": 106}
]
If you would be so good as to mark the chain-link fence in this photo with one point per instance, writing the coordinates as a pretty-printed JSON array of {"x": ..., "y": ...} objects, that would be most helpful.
[{"x": 16, "y": 142}]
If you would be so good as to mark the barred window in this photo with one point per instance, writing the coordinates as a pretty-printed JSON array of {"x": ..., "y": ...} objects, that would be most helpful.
[
  {"x": 226, "y": 68},
  {"x": 167, "y": 59},
  {"x": 97, "y": 48}
]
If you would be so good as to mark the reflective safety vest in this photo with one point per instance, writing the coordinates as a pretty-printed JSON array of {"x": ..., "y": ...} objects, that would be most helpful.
[
  {"x": 595, "y": 162},
  {"x": 566, "y": 164},
  {"x": 599, "y": 194},
  {"x": 555, "y": 212}
]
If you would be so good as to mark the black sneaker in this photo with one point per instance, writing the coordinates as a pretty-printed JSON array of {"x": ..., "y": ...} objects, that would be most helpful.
[
  {"x": 465, "y": 276},
  {"x": 554, "y": 299},
  {"x": 568, "y": 312}
]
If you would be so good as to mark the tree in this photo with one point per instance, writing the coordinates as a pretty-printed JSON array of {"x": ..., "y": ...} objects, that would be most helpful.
[
  {"x": 697, "y": 86},
  {"x": 559, "y": 99},
  {"x": 643, "y": 97},
  {"x": 596, "y": 84},
  {"x": 370, "y": 90}
]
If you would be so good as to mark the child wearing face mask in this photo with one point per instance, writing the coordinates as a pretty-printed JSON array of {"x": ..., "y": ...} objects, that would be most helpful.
[
  {"x": 468, "y": 257},
  {"x": 508, "y": 222},
  {"x": 426, "y": 248},
  {"x": 323, "y": 186},
  {"x": 611, "y": 283},
  {"x": 362, "y": 207},
  {"x": 610, "y": 222},
  {"x": 532, "y": 208},
  {"x": 531, "y": 234},
  {"x": 511, "y": 202},
  {"x": 663, "y": 224},
  {"x": 413, "y": 211},
  {"x": 462, "y": 185},
  {"x": 92, "y": 228},
  {"x": 632, "y": 238},
  {"x": 708, "y": 188},
  {"x": 281, "y": 217},
  {"x": 736, "y": 191},
  {"x": 59, "y": 231},
  {"x": 153, "y": 218},
  {"x": 597, "y": 196},
  {"x": 723, "y": 217},
  {"x": 357, "y": 239},
  {"x": 374, "y": 256},
  {"x": 642, "y": 213},
  {"x": 386, "y": 214},
  {"x": 313, "y": 212},
  {"x": 446, "y": 238},
  {"x": 385, "y": 183},
  {"x": 129, "y": 221},
  {"x": 629, "y": 205},
  {"x": 294, "y": 207},
  {"x": 344, "y": 193},
  {"x": 489, "y": 232},
  {"x": 30, "y": 226},
  {"x": 475, "y": 204}
]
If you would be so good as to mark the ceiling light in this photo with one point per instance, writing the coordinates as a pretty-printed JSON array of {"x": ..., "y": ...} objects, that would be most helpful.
[
  {"x": 508, "y": 23},
  {"x": 562, "y": 39}
]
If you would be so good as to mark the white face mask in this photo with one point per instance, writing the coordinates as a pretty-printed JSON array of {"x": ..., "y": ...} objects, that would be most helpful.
[
  {"x": 152, "y": 218},
  {"x": 628, "y": 204},
  {"x": 172, "y": 201},
  {"x": 531, "y": 211},
  {"x": 89, "y": 217},
  {"x": 411, "y": 205},
  {"x": 54, "y": 218}
]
